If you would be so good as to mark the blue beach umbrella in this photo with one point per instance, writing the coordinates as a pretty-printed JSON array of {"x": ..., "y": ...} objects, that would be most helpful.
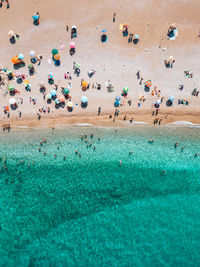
[
  {"x": 171, "y": 98},
  {"x": 136, "y": 36},
  {"x": 117, "y": 98},
  {"x": 35, "y": 17},
  {"x": 104, "y": 30},
  {"x": 21, "y": 56},
  {"x": 84, "y": 99}
]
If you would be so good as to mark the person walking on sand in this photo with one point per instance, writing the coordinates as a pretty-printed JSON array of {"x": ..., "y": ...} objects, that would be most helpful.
[
  {"x": 114, "y": 15},
  {"x": 67, "y": 28},
  {"x": 99, "y": 111}
]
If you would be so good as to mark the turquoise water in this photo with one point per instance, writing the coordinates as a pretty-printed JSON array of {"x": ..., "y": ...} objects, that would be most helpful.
[{"x": 90, "y": 211}]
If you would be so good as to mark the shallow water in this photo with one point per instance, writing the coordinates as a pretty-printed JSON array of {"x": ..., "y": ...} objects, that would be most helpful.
[{"x": 90, "y": 211}]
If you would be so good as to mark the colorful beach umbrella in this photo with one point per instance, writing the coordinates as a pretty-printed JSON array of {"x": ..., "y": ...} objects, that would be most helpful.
[
  {"x": 125, "y": 90},
  {"x": 50, "y": 76},
  {"x": 53, "y": 92},
  {"x": 148, "y": 83},
  {"x": 11, "y": 88},
  {"x": 54, "y": 51},
  {"x": 65, "y": 91},
  {"x": 11, "y": 33},
  {"x": 26, "y": 82},
  {"x": 56, "y": 57},
  {"x": 48, "y": 96},
  {"x": 70, "y": 104},
  {"x": 21, "y": 56},
  {"x": 72, "y": 45},
  {"x": 84, "y": 99}
]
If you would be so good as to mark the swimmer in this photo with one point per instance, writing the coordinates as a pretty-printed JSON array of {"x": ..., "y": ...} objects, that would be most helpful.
[
  {"x": 58, "y": 147},
  {"x": 130, "y": 153},
  {"x": 41, "y": 143},
  {"x": 79, "y": 155},
  {"x": 120, "y": 163},
  {"x": 55, "y": 156},
  {"x": 99, "y": 139},
  {"x": 163, "y": 171},
  {"x": 76, "y": 152},
  {"x": 90, "y": 144},
  {"x": 82, "y": 137},
  {"x": 64, "y": 157},
  {"x": 87, "y": 146},
  {"x": 86, "y": 140},
  {"x": 91, "y": 136},
  {"x": 196, "y": 155},
  {"x": 44, "y": 153},
  {"x": 94, "y": 147},
  {"x": 175, "y": 145},
  {"x": 39, "y": 149},
  {"x": 44, "y": 140},
  {"x": 28, "y": 165},
  {"x": 151, "y": 141}
]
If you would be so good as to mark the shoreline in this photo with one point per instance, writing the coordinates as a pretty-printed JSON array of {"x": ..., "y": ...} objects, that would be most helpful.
[{"x": 140, "y": 118}]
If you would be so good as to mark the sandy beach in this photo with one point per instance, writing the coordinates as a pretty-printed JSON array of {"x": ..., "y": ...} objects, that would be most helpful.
[{"x": 117, "y": 60}]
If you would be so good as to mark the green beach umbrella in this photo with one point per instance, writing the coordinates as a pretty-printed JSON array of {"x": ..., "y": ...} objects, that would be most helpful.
[
  {"x": 65, "y": 91},
  {"x": 11, "y": 88},
  {"x": 30, "y": 66},
  {"x": 54, "y": 51}
]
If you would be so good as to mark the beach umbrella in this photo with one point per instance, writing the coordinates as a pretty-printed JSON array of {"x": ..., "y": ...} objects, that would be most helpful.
[
  {"x": 41, "y": 84},
  {"x": 171, "y": 98},
  {"x": 61, "y": 99},
  {"x": 136, "y": 36},
  {"x": 148, "y": 83},
  {"x": 35, "y": 17},
  {"x": 56, "y": 57},
  {"x": 30, "y": 66},
  {"x": 171, "y": 58},
  {"x": 104, "y": 31},
  {"x": 53, "y": 92},
  {"x": 57, "y": 101},
  {"x": 72, "y": 45},
  {"x": 11, "y": 33},
  {"x": 126, "y": 25},
  {"x": 84, "y": 99},
  {"x": 26, "y": 82},
  {"x": 54, "y": 51},
  {"x": 15, "y": 60},
  {"x": 125, "y": 90},
  {"x": 12, "y": 101},
  {"x": 158, "y": 102},
  {"x": 50, "y": 76},
  {"x": 11, "y": 88},
  {"x": 84, "y": 83},
  {"x": 21, "y": 56},
  {"x": 48, "y": 96},
  {"x": 32, "y": 53},
  {"x": 70, "y": 104},
  {"x": 77, "y": 65},
  {"x": 65, "y": 91},
  {"x": 118, "y": 98},
  {"x": 73, "y": 27}
]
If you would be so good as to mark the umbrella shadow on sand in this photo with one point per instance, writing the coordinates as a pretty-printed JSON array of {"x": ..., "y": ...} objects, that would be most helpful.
[
  {"x": 19, "y": 65},
  {"x": 35, "y": 22},
  {"x": 146, "y": 88},
  {"x": 13, "y": 107},
  {"x": 168, "y": 103},
  {"x": 49, "y": 101},
  {"x": 84, "y": 105},
  {"x": 12, "y": 40}
]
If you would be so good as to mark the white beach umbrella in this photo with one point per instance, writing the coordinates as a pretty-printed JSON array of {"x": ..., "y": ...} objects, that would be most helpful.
[
  {"x": 12, "y": 101},
  {"x": 11, "y": 33},
  {"x": 32, "y": 53},
  {"x": 48, "y": 96}
]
